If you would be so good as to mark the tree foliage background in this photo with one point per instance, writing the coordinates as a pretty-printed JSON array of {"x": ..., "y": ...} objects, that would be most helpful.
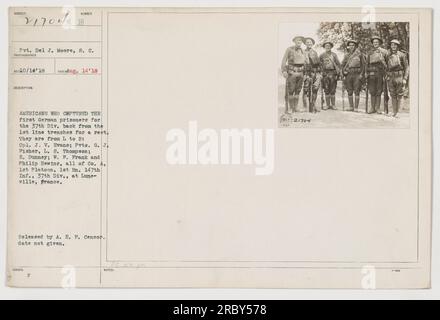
[{"x": 340, "y": 32}]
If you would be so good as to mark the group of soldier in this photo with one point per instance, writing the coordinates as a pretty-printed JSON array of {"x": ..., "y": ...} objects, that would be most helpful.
[{"x": 381, "y": 69}]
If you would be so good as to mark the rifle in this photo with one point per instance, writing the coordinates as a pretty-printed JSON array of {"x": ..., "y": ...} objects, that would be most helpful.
[
  {"x": 386, "y": 97},
  {"x": 286, "y": 97},
  {"x": 343, "y": 94},
  {"x": 310, "y": 95},
  {"x": 367, "y": 94},
  {"x": 406, "y": 89}
]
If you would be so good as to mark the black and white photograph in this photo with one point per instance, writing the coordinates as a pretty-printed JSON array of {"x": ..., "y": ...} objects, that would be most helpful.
[
  {"x": 216, "y": 157},
  {"x": 344, "y": 75}
]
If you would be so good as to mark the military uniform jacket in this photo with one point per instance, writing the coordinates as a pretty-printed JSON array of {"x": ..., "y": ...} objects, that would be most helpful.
[
  {"x": 376, "y": 60},
  {"x": 313, "y": 58},
  {"x": 329, "y": 62},
  {"x": 354, "y": 61},
  {"x": 294, "y": 57},
  {"x": 313, "y": 62},
  {"x": 398, "y": 62}
]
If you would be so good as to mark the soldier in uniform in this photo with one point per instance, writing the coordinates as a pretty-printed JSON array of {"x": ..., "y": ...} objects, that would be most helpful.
[
  {"x": 353, "y": 70},
  {"x": 313, "y": 77},
  {"x": 293, "y": 67},
  {"x": 376, "y": 68},
  {"x": 331, "y": 68},
  {"x": 397, "y": 75}
]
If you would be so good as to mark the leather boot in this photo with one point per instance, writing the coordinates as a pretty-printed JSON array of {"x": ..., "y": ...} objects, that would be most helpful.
[
  {"x": 397, "y": 105},
  {"x": 314, "y": 98},
  {"x": 295, "y": 103},
  {"x": 385, "y": 105},
  {"x": 394, "y": 104},
  {"x": 373, "y": 105},
  {"x": 291, "y": 104},
  {"x": 333, "y": 102},
  {"x": 351, "y": 103},
  {"x": 378, "y": 102},
  {"x": 305, "y": 102},
  {"x": 357, "y": 99},
  {"x": 327, "y": 102}
]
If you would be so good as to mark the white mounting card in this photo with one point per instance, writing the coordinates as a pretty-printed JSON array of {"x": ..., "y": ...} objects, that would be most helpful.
[{"x": 219, "y": 147}]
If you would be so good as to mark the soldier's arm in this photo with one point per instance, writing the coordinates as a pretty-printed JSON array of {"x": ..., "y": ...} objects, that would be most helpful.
[
  {"x": 366, "y": 63},
  {"x": 363, "y": 64},
  {"x": 405, "y": 67},
  {"x": 385, "y": 58},
  {"x": 321, "y": 61},
  {"x": 284, "y": 61}
]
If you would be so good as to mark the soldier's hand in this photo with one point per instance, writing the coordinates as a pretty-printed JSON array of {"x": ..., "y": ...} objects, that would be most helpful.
[
  {"x": 404, "y": 82},
  {"x": 285, "y": 74}
]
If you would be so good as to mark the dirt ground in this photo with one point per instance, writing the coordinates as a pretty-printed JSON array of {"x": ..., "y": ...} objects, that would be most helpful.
[{"x": 343, "y": 119}]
